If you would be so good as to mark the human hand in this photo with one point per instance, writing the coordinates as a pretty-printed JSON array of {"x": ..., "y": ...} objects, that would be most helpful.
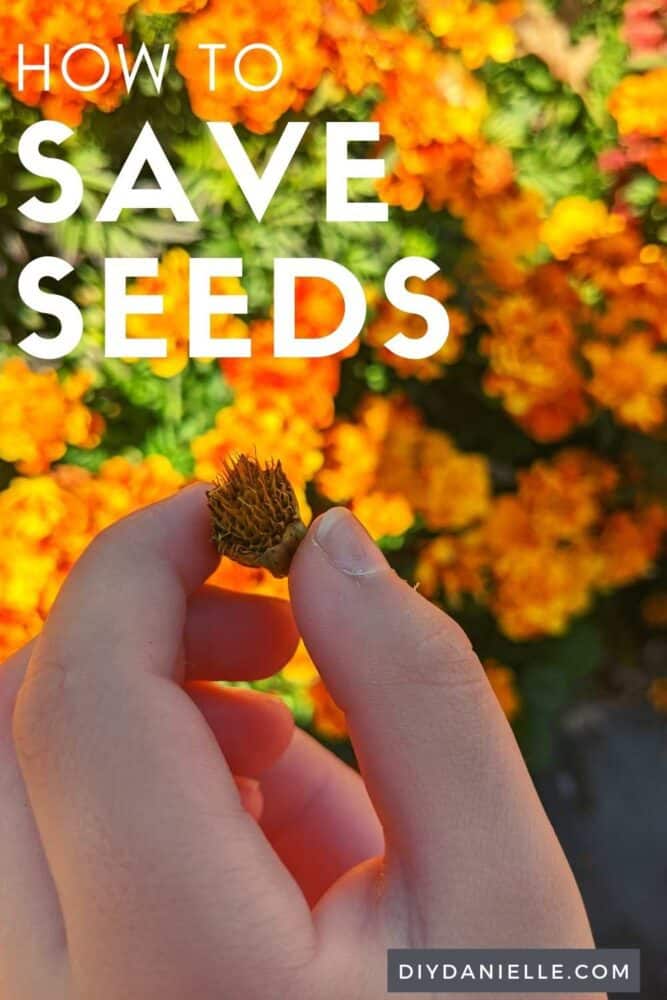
[{"x": 132, "y": 863}]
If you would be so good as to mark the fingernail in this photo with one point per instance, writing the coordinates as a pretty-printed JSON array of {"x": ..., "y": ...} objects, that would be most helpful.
[{"x": 347, "y": 544}]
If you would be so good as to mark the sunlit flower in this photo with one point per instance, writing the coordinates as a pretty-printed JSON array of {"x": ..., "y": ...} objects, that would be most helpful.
[
  {"x": 503, "y": 681},
  {"x": 478, "y": 30},
  {"x": 173, "y": 322},
  {"x": 630, "y": 379},
  {"x": 62, "y": 25},
  {"x": 638, "y": 103},
  {"x": 293, "y": 31},
  {"x": 42, "y": 415},
  {"x": 576, "y": 220}
]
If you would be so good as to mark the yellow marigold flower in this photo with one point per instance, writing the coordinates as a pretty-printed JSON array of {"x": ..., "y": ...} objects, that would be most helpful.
[
  {"x": 638, "y": 103},
  {"x": 266, "y": 426},
  {"x": 575, "y": 221},
  {"x": 173, "y": 323},
  {"x": 293, "y": 30},
  {"x": 455, "y": 564},
  {"x": 630, "y": 379},
  {"x": 657, "y": 694},
  {"x": 451, "y": 488},
  {"x": 46, "y": 522},
  {"x": 171, "y": 6},
  {"x": 503, "y": 682},
  {"x": 390, "y": 320},
  {"x": 479, "y": 31},
  {"x": 41, "y": 415},
  {"x": 383, "y": 514},
  {"x": 16, "y": 630},
  {"x": 61, "y": 25}
]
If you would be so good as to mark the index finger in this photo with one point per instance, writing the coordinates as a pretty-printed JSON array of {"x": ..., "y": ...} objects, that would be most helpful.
[{"x": 138, "y": 812}]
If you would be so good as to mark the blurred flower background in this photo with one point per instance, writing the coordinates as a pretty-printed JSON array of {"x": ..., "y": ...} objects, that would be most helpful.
[{"x": 517, "y": 477}]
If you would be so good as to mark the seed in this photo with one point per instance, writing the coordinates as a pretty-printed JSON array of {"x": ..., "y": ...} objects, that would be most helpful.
[{"x": 255, "y": 514}]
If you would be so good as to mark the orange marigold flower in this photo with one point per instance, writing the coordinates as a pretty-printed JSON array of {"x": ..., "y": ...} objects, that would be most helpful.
[
  {"x": 390, "y": 450},
  {"x": 628, "y": 545},
  {"x": 538, "y": 590},
  {"x": 532, "y": 365},
  {"x": 506, "y": 229},
  {"x": 630, "y": 379},
  {"x": 265, "y": 426},
  {"x": 328, "y": 718},
  {"x": 654, "y": 609},
  {"x": 390, "y": 321},
  {"x": 42, "y": 414},
  {"x": 457, "y": 565},
  {"x": 657, "y": 694},
  {"x": 61, "y": 25},
  {"x": 310, "y": 383},
  {"x": 638, "y": 103},
  {"x": 293, "y": 31},
  {"x": 575, "y": 221},
  {"x": 383, "y": 514},
  {"x": 503, "y": 681},
  {"x": 173, "y": 323},
  {"x": 564, "y": 497}
]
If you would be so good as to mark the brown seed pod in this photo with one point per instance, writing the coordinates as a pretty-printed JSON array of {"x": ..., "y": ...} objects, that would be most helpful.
[{"x": 255, "y": 514}]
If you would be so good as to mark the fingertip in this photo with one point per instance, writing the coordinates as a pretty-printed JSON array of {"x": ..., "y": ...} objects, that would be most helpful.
[
  {"x": 232, "y": 636},
  {"x": 252, "y": 728}
]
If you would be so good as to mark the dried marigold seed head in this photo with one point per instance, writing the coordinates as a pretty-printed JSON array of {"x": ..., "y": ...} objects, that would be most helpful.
[{"x": 255, "y": 515}]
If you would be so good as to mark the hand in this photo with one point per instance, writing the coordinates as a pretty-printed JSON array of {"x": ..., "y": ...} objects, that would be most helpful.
[{"x": 132, "y": 863}]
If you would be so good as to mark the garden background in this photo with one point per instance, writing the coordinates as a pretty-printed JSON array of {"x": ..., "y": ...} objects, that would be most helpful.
[{"x": 518, "y": 477}]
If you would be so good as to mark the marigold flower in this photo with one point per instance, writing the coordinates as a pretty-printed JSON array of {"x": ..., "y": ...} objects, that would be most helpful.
[
  {"x": 391, "y": 451},
  {"x": 293, "y": 31},
  {"x": 638, "y": 103},
  {"x": 47, "y": 521},
  {"x": 654, "y": 609},
  {"x": 630, "y": 379},
  {"x": 533, "y": 364},
  {"x": 173, "y": 323},
  {"x": 503, "y": 681},
  {"x": 42, "y": 414},
  {"x": 628, "y": 545},
  {"x": 479, "y": 31},
  {"x": 61, "y": 25},
  {"x": 265, "y": 425},
  {"x": 328, "y": 718},
  {"x": 390, "y": 321},
  {"x": 383, "y": 514},
  {"x": 657, "y": 694},
  {"x": 575, "y": 221}
]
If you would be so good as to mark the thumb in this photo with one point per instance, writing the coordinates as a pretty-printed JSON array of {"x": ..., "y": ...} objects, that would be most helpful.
[{"x": 436, "y": 752}]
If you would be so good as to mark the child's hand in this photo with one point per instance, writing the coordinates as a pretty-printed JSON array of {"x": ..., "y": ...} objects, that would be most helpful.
[{"x": 130, "y": 865}]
